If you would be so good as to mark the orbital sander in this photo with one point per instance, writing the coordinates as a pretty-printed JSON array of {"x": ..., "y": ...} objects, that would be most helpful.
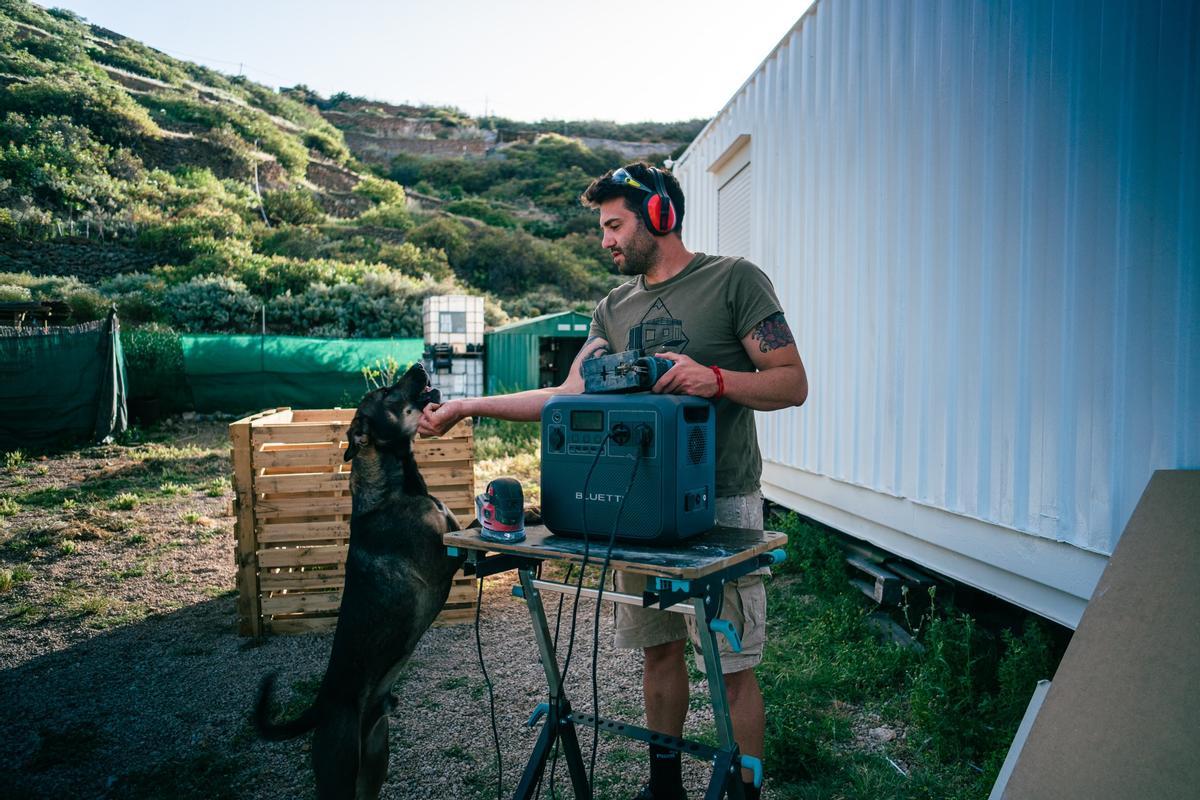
[{"x": 501, "y": 511}]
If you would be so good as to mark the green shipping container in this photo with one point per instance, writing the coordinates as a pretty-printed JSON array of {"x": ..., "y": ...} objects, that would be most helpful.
[{"x": 533, "y": 353}]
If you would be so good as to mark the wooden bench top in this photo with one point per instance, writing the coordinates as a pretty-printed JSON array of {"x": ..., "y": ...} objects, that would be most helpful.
[{"x": 701, "y": 555}]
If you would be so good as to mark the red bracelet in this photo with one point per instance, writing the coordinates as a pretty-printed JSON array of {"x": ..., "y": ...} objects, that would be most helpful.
[{"x": 720, "y": 383}]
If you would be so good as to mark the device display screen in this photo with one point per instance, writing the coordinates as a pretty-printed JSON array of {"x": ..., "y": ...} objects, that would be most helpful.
[{"x": 587, "y": 420}]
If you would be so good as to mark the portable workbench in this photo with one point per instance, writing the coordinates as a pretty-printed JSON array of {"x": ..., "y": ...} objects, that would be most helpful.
[{"x": 686, "y": 578}]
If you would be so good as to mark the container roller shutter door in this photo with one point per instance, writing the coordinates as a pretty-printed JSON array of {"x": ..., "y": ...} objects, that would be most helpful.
[{"x": 733, "y": 215}]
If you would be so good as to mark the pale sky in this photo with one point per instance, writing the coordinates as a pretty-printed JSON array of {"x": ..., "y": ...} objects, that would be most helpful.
[{"x": 625, "y": 60}]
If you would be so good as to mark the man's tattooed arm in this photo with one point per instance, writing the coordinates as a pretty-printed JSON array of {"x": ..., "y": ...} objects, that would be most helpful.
[
  {"x": 773, "y": 333},
  {"x": 601, "y": 350}
]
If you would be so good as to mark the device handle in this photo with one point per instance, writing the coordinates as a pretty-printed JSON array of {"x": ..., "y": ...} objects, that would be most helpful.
[{"x": 725, "y": 627}]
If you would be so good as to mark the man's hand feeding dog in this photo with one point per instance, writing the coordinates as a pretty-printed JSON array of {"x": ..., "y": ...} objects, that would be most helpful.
[{"x": 397, "y": 579}]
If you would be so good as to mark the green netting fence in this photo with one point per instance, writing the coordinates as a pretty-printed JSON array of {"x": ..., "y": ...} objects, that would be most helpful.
[
  {"x": 250, "y": 373},
  {"x": 69, "y": 383},
  {"x": 61, "y": 384}
]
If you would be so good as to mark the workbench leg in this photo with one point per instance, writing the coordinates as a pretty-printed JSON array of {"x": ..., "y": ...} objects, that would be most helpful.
[
  {"x": 558, "y": 725},
  {"x": 726, "y": 780},
  {"x": 554, "y": 730},
  {"x": 727, "y": 774}
]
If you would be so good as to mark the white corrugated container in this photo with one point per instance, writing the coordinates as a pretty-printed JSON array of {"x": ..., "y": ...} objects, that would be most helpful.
[
  {"x": 454, "y": 319},
  {"x": 463, "y": 379},
  {"x": 982, "y": 221}
]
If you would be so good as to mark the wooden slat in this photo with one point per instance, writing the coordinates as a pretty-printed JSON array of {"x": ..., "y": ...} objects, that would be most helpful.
[
  {"x": 300, "y": 581},
  {"x": 313, "y": 457},
  {"x": 303, "y": 506},
  {"x": 276, "y": 447},
  {"x": 323, "y": 415},
  {"x": 455, "y": 616},
  {"x": 461, "y": 594},
  {"x": 430, "y": 450},
  {"x": 449, "y": 473},
  {"x": 301, "y": 602},
  {"x": 303, "y": 482},
  {"x": 302, "y": 624},
  {"x": 274, "y": 416},
  {"x": 301, "y": 556},
  {"x": 463, "y": 498},
  {"x": 303, "y": 531},
  {"x": 463, "y": 429},
  {"x": 300, "y": 432}
]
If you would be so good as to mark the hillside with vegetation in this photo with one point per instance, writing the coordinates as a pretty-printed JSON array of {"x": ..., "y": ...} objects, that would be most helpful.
[{"x": 195, "y": 200}]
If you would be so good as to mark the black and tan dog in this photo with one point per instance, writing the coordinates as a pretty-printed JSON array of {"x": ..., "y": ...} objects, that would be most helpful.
[{"x": 397, "y": 579}]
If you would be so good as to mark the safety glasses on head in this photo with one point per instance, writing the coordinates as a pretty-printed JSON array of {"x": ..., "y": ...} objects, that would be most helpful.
[{"x": 622, "y": 178}]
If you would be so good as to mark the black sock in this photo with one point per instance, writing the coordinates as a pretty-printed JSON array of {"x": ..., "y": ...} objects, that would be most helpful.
[
  {"x": 751, "y": 791},
  {"x": 666, "y": 778}
]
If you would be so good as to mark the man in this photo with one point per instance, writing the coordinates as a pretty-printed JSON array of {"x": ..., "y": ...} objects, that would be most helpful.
[{"x": 718, "y": 319}]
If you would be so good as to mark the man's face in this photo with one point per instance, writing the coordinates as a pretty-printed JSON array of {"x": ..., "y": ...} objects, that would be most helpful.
[{"x": 634, "y": 249}]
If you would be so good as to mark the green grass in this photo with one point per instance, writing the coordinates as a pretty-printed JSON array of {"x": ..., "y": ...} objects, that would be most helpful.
[
  {"x": 136, "y": 571},
  {"x": 8, "y": 507},
  {"x": 824, "y": 667},
  {"x": 13, "y": 460},
  {"x": 10, "y": 578},
  {"x": 497, "y": 438},
  {"x": 125, "y": 501},
  {"x": 25, "y": 613}
]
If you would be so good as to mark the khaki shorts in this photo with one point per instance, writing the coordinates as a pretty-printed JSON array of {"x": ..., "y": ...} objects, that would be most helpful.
[{"x": 745, "y": 603}]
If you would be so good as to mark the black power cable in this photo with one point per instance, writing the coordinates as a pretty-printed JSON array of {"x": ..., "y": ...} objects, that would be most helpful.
[
  {"x": 537, "y": 792},
  {"x": 491, "y": 696},
  {"x": 612, "y": 536},
  {"x": 554, "y": 704}
]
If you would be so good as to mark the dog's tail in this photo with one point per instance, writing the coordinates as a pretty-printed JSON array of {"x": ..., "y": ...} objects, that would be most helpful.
[{"x": 278, "y": 731}]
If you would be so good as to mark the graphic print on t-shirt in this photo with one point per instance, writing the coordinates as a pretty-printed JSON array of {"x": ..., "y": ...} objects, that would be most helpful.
[{"x": 657, "y": 330}]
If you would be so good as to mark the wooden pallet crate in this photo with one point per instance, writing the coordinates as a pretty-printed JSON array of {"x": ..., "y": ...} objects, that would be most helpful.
[{"x": 292, "y": 501}]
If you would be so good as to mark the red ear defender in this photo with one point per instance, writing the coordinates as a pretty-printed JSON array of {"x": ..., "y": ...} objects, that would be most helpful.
[
  {"x": 659, "y": 211},
  {"x": 660, "y": 214}
]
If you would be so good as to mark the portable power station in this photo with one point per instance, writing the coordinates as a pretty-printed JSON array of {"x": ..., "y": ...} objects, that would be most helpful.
[{"x": 672, "y": 496}]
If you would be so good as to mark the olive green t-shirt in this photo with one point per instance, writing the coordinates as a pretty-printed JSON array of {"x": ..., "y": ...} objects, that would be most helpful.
[{"x": 704, "y": 312}]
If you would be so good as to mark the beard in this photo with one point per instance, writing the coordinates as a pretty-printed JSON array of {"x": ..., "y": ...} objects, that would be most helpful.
[{"x": 640, "y": 252}]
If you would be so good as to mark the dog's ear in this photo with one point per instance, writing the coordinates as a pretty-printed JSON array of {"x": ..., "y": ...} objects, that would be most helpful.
[{"x": 356, "y": 437}]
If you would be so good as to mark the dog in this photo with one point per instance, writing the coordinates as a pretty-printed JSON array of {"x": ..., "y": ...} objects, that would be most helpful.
[{"x": 397, "y": 579}]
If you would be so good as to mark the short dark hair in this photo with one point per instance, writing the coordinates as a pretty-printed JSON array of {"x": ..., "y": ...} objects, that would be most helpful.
[{"x": 603, "y": 188}]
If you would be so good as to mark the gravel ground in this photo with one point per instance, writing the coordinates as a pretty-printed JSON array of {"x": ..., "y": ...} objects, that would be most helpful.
[{"x": 122, "y": 674}]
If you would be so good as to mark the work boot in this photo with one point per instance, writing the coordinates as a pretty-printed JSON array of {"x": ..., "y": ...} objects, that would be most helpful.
[{"x": 646, "y": 794}]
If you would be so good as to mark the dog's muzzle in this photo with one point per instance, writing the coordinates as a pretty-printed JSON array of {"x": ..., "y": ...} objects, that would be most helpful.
[{"x": 430, "y": 395}]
